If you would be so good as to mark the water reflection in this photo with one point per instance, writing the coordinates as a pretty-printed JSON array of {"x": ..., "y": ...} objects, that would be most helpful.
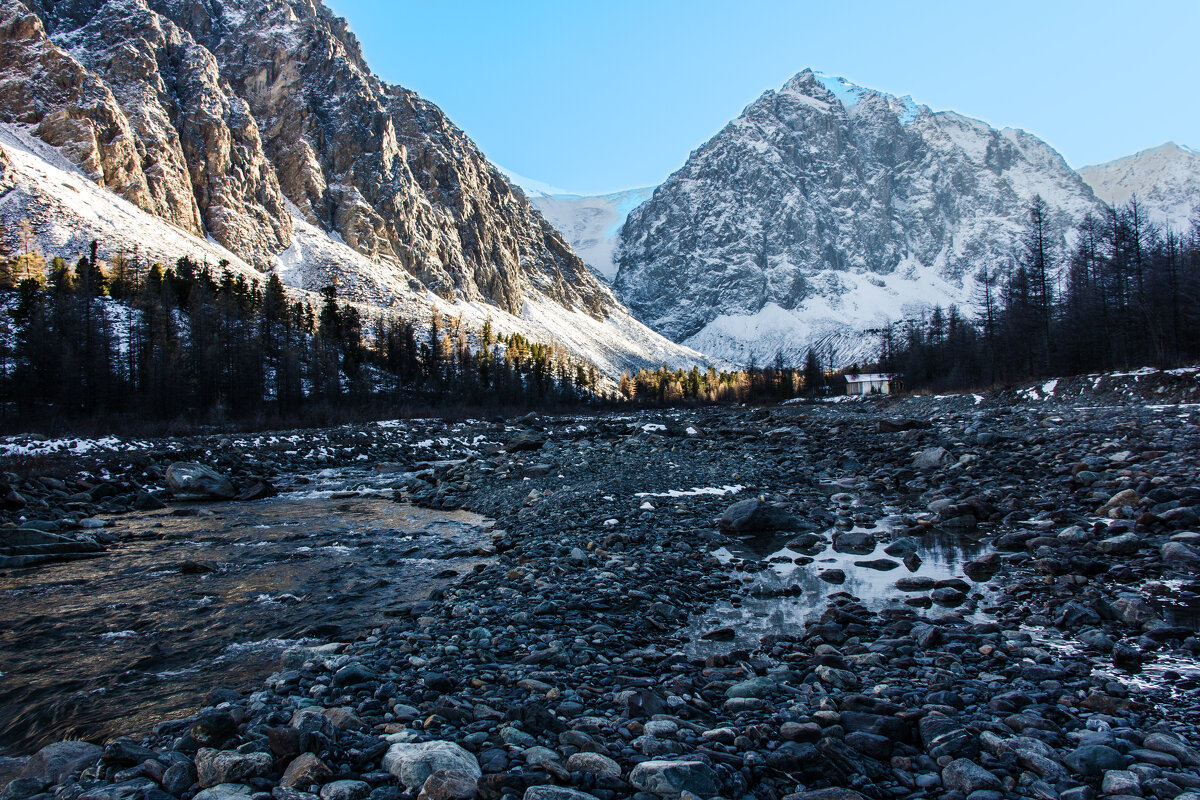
[
  {"x": 184, "y": 604},
  {"x": 789, "y": 591}
]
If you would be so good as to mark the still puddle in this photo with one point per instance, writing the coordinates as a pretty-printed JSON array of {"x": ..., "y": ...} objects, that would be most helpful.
[
  {"x": 781, "y": 597},
  {"x": 185, "y": 604}
]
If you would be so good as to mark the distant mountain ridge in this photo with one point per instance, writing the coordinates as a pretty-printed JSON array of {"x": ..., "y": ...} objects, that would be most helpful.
[
  {"x": 1165, "y": 180},
  {"x": 592, "y": 223}
]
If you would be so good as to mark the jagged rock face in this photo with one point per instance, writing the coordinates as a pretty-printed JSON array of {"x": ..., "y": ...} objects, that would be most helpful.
[
  {"x": 213, "y": 114},
  {"x": 7, "y": 181},
  {"x": 831, "y": 200},
  {"x": 1164, "y": 179},
  {"x": 378, "y": 165},
  {"x": 67, "y": 106},
  {"x": 197, "y": 143}
]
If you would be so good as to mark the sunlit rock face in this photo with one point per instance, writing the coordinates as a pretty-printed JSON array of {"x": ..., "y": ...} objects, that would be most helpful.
[{"x": 233, "y": 119}]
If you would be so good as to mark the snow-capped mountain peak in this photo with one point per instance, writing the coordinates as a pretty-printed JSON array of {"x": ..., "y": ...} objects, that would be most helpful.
[
  {"x": 1165, "y": 180},
  {"x": 828, "y": 208}
]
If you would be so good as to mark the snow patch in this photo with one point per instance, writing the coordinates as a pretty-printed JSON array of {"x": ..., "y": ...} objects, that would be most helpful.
[{"x": 695, "y": 491}]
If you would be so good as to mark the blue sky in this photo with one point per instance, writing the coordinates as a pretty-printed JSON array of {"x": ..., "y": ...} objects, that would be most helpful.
[{"x": 598, "y": 96}]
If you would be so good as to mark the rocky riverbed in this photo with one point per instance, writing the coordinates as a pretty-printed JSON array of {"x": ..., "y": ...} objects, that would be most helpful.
[{"x": 1005, "y": 593}]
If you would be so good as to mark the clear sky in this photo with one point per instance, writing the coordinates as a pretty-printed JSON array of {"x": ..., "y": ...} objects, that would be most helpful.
[{"x": 597, "y": 96}]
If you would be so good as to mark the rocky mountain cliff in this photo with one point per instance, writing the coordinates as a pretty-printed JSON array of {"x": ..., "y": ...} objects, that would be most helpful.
[
  {"x": 256, "y": 127},
  {"x": 1165, "y": 180},
  {"x": 826, "y": 209}
]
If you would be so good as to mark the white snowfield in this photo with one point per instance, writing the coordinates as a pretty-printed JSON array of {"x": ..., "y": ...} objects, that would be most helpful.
[
  {"x": 591, "y": 223},
  {"x": 66, "y": 210},
  {"x": 840, "y": 326}
]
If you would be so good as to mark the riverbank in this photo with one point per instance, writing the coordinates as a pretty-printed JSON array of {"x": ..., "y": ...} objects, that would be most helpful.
[{"x": 597, "y": 652}]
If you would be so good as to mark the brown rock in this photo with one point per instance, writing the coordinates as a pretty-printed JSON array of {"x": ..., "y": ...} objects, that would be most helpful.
[
  {"x": 68, "y": 106},
  {"x": 304, "y": 771},
  {"x": 446, "y": 784}
]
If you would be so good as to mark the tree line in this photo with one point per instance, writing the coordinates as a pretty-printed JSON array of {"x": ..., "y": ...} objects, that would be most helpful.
[
  {"x": 91, "y": 341},
  {"x": 1126, "y": 294},
  {"x": 666, "y": 386}
]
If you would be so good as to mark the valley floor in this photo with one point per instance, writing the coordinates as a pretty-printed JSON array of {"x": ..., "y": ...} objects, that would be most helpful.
[{"x": 952, "y": 597}]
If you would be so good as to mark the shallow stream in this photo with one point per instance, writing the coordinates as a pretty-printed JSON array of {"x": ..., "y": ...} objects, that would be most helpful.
[{"x": 185, "y": 604}]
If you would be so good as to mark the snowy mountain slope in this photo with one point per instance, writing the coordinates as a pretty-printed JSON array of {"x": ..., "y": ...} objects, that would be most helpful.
[
  {"x": 66, "y": 210},
  {"x": 826, "y": 209},
  {"x": 253, "y": 131},
  {"x": 591, "y": 223},
  {"x": 1165, "y": 179}
]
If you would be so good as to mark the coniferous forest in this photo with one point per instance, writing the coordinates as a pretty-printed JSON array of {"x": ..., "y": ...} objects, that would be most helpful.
[
  {"x": 190, "y": 343},
  {"x": 1126, "y": 295},
  {"x": 200, "y": 346}
]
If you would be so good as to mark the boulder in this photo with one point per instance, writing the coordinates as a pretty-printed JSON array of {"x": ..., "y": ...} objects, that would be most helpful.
[
  {"x": 1165, "y": 743},
  {"x": 258, "y": 490},
  {"x": 944, "y": 736},
  {"x": 10, "y": 768},
  {"x": 412, "y": 763},
  {"x": 188, "y": 480},
  {"x": 1178, "y": 554},
  {"x": 1128, "y": 497},
  {"x": 556, "y": 793},
  {"x": 670, "y": 778},
  {"x": 837, "y": 678},
  {"x": 1093, "y": 760},
  {"x": 525, "y": 441},
  {"x": 1125, "y": 544},
  {"x": 215, "y": 767},
  {"x": 305, "y": 770},
  {"x": 749, "y": 516},
  {"x": 1121, "y": 782},
  {"x": 313, "y": 720},
  {"x": 930, "y": 459},
  {"x": 964, "y": 775},
  {"x": 857, "y": 542},
  {"x": 54, "y": 762},
  {"x": 225, "y": 791},
  {"x": 594, "y": 764},
  {"x": 345, "y": 790},
  {"x": 760, "y": 686},
  {"x": 448, "y": 784}
]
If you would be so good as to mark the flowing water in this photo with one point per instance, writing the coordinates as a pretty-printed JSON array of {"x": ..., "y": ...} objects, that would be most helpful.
[{"x": 185, "y": 604}]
